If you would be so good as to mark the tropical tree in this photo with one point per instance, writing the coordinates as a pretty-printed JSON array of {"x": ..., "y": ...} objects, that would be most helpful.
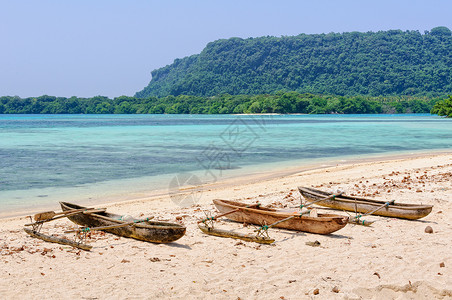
[{"x": 443, "y": 108}]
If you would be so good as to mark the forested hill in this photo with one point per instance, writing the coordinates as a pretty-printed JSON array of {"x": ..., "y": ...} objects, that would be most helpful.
[{"x": 391, "y": 62}]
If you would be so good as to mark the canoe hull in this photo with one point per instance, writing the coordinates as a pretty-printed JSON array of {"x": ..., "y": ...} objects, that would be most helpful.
[
  {"x": 149, "y": 231},
  {"x": 323, "y": 224},
  {"x": 362, "y": 205}
]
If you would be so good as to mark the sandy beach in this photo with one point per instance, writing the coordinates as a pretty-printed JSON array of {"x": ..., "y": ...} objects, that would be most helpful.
[{"x": 392, "y": 259}]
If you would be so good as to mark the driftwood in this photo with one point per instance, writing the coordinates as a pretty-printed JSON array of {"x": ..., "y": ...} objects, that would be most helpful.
[{"x": 57, "y": 240}]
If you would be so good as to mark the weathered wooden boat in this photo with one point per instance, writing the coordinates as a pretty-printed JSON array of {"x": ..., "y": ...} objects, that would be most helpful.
[
  {"x": 363, "y": 205},
  {"x": 322, "y": 224},
  {"x": 144, "y": 230}
]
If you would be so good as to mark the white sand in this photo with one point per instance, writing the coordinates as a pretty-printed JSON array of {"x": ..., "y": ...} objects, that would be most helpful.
[{"x": 393, "y": 259}]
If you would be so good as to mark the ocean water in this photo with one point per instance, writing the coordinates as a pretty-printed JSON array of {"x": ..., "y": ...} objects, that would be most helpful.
[{"x": 46, "y": 158}]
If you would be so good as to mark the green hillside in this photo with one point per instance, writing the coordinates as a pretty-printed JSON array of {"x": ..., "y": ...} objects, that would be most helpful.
[{"x": 380, "y": 63}]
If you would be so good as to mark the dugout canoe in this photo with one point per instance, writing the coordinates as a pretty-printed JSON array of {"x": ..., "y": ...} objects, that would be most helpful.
[
  {"x": 148, "y": 231},
  {"x": 322, "y": 224},
  {"x": 363, "y": 205}
]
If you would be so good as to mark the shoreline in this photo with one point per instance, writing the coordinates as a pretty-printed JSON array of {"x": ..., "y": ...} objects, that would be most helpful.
[
  {"x": 392, "y": 259},
  {"x": 231, "y": 181}
]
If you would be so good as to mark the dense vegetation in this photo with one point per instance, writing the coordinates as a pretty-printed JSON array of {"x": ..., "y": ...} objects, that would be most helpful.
[
  {"x": 374, "y": 72},
  {"x": 443, "y": 108},
  {"x": 380, "y": 63},
  {"x": 280, "y": 102}
]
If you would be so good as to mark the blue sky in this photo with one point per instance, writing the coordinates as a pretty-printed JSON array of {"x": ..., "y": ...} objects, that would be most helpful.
[{"x": 109, "y": 47}]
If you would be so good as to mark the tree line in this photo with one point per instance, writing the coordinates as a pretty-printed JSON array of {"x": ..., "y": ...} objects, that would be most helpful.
[{"x": 281, "y": 102}]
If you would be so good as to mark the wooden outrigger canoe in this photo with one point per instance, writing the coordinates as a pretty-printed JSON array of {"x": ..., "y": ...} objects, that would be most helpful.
[
  {"x": 149, "y": 231},
  {"x": 322, "y": 224},
  {"x": 363, "y": 205}
]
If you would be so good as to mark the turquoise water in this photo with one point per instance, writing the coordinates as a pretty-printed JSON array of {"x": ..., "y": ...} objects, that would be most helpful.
[{"x": 44, "y": 158}]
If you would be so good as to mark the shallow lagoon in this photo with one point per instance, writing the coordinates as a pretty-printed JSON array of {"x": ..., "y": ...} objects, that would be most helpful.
[{"x": 44, "y": 158}]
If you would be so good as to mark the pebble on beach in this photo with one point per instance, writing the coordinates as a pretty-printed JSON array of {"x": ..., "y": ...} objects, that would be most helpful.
[
  {"x": 428, "y": 229},
  {"x": 313, "y": 244}
]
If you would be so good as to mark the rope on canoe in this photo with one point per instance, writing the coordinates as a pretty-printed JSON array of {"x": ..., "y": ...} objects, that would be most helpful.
[
  {"x": 208, "y": 219},
  {"x": 141, "y": 221},
  {"x": 262, "y": 232}
]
